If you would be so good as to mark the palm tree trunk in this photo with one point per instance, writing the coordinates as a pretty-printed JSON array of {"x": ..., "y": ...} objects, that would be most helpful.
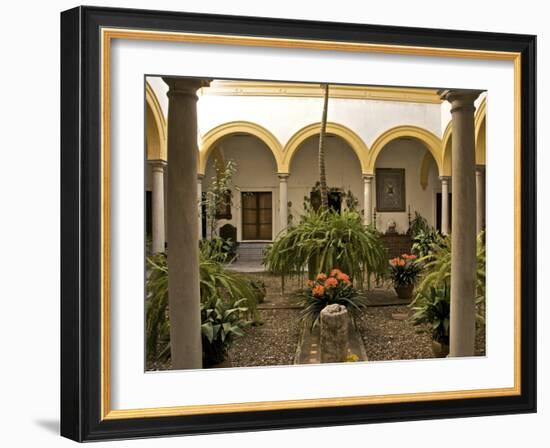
[{"x": 322, "y": 167}]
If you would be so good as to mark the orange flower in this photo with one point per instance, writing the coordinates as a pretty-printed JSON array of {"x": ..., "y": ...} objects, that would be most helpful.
[
  {"x": 394, "y": 261},
  {"x": 343, "y": 277},
  {"x": 412, "y": 257},
  {"x": 335, "y": 272},
  {"x": 331, "y": 283},
  {"x": 402, "y": 263},
  {"x": 318, "y": 291},
  {"x": 310, "y": 283},
  {"x": 322, "y": 276}
]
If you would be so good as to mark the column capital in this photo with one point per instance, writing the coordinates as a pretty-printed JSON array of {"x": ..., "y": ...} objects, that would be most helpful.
[
  {"x": 200, "y": 177},
  {"x": 283, "y": 177},
  {"x": 460, "y": 98},
  {"x": 157, "y": 164},
  {"x": 445, "y": 178},
  {"x": 185, "y": 86},
  {"x": 368, "y": 177},
  {"x": 480, "y": 169}
]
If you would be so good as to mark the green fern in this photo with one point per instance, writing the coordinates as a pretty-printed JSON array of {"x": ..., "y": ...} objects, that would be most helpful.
[{"x": 325, "y": 240}]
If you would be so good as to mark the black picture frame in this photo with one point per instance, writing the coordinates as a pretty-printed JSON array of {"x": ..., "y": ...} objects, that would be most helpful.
[
  {"x": 384, "y": 200},
  {"x": 81, "y": 379}
]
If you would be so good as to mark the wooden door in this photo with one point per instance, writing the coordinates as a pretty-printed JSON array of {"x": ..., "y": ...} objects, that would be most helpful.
[{"x": 257, "y": 215}]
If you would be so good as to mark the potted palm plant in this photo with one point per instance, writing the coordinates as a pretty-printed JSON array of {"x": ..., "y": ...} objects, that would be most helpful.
[{"x": 404, "y": 271}]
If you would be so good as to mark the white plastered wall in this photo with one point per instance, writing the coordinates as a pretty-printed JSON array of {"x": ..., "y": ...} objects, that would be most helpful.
[{"x": 408, "y": 154}]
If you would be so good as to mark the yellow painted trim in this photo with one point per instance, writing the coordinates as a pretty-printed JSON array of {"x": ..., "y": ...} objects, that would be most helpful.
[
  {"x": 431, "y": 141},
  {"x": 302, "y": 90},
  {"x": 156, "y": 150},
  {"x": 425, "y": 169},
  {"x": 479, "y": 123},
  {"x": 480, "y": 133},
  {"x": 447, "y": 146},
  {"x": 213, "y": 136},
  {"x": 357, "y": 144}
]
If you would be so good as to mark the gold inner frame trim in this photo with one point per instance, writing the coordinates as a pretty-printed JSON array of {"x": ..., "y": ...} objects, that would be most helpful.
[{"x": 107, "y": 35}]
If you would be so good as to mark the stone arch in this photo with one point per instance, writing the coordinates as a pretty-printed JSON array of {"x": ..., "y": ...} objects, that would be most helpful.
[
  {"x": 430, "y": 141},
  {"x": 480, "y": 135},
  {"x": 351, "y": 138},
  {"x": 155, "y": 126},
  {"x": 425, "y": 169},
  {"x": 212, "y": 137},
  {"x": 447, "y": 148},
  {"x": 479, "y": 126}
]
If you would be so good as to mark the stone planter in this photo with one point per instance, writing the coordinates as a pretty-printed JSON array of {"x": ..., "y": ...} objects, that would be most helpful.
[
  {"x": 404, "y": 292},
  {"x": 440, "y": 350}
]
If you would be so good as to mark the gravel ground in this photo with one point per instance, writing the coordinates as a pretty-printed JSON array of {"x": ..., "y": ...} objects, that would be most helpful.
[
  {"x": 271, "y": 344},
  {"x": 386, "y": 338}
]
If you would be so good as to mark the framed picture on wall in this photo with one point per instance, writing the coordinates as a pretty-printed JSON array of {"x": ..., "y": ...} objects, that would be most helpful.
[
  {"x": 195, "y": 254},
  {"x": 390, "y": 190}
]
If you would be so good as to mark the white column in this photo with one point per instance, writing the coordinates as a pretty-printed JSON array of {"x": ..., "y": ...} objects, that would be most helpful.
[
  {"x": 199, "y": 203},
  {"x": 480, "y": 198},
  {"x": 182, "y": 224},
  {"x": 283, "y": 201},
  {"x": 445, "y": 204},
  {"x": 367, "y": 198},
  {"x": 463, "y": 237},
  {"x": 157, "y": 205}
]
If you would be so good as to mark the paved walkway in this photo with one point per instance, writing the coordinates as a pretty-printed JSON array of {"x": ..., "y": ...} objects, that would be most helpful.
[{"x": 246, "y": 266}]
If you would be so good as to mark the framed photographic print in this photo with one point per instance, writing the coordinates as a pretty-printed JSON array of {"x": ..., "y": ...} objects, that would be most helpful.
[{"x": 223, "y": 183}]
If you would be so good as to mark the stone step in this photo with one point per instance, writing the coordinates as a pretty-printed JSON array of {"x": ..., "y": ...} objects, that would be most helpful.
[{"x": 251, "y": 251}]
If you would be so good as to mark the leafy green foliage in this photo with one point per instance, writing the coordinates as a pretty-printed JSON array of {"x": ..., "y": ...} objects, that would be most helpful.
[
  {"x": 260, "y": 289},
  {"x": 216, "y": 249},
  {"x": 216, "y": 283},
  {"x": 217, "y": 197},
  {"x": 221, "y": 323},
  {"x": 157, "y": 325},
  {"x": 324, "y": 240},
  {"x": 404, "y": 270},
  {"x": 434, "y": 308},
  {"x": 437, "y": 267},
  {"x": 424, "y": 241},
  {"x": 419, "y": 224},
  {"x": 326, "y": 290}
]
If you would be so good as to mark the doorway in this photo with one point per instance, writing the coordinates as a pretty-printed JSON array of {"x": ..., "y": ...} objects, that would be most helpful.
[{"x": 257, "y": 215}]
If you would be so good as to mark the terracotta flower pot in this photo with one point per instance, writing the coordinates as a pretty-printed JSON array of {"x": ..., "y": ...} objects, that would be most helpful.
[
  {"x": 404, "y": 292},
  {"x": 440, "y": 350}
]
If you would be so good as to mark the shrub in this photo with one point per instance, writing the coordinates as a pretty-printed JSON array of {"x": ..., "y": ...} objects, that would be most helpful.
[
  {"x": 323, "y": 240},
  {"x": 419, "y": 224},
  {"x": 217, "y": 249},
  {"x": 157, "y": 325},
  {"x": 424, "y": 242},
  {"x": 221, "y": 323},
  {"x": 216, "y": 283},
  {"x": 434, "y": 308},
  {"x": 260, "y": 290},
  {"x": 404, "y": 270},
  {"x": 326, "y": 290},
  {"x": 437, "y": 267}
]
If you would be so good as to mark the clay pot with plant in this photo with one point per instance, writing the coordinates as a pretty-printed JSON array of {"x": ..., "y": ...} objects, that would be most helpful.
[{"x": 404, "y": 272}]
